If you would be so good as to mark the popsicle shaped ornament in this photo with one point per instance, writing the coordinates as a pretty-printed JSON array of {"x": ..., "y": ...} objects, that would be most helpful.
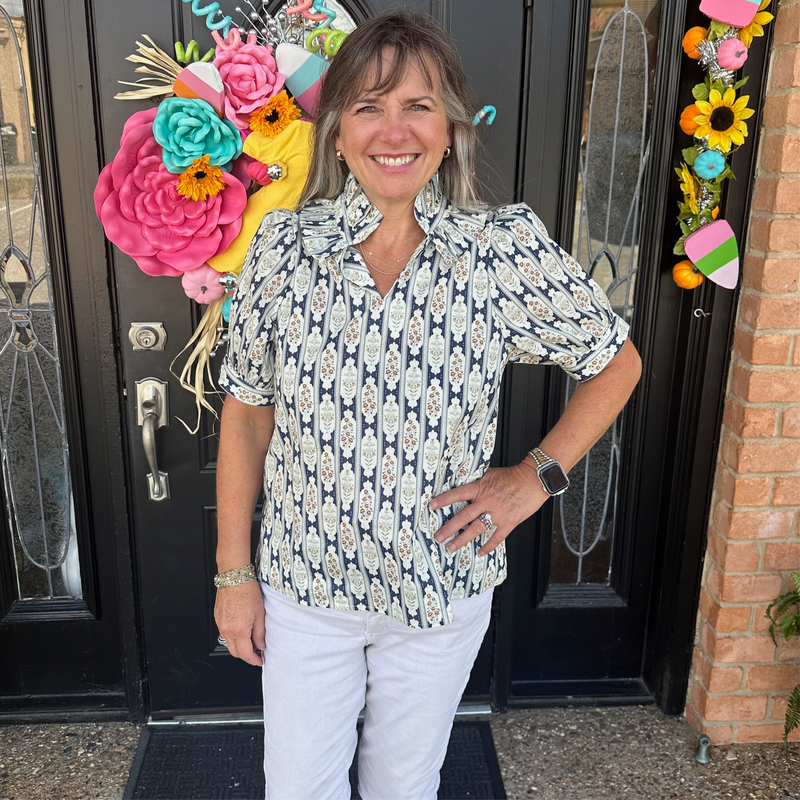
[{"x": 736, "y": 13}]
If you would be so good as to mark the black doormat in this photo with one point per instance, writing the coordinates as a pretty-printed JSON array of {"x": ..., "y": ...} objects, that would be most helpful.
[{"x": 224, "y": 762}]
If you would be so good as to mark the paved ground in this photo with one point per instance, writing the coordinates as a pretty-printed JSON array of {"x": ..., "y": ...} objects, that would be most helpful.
[{"x": 547, "y": 754}]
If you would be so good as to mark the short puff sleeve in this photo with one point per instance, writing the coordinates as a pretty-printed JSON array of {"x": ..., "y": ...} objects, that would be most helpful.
[
  {"x": 552, "y": 311},
  {"x": 248, "y": 371}
]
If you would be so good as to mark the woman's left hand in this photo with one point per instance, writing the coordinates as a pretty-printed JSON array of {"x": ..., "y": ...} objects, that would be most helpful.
[{"x": 509, "y": 494}]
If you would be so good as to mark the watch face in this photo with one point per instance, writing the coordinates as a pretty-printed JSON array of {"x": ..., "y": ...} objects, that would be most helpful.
[{"x": 554, "y": 479}]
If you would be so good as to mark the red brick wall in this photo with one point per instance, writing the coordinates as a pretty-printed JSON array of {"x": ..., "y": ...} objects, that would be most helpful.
[{"x": 740, "y": 680}]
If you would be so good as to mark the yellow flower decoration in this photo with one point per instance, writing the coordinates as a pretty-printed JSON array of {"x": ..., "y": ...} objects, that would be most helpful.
[
  {"x": 721, "y": 119},
  {"x": 201, "y": 180},
  {"x": 274, "y": 115},
  {"x": 756, "y": 27},
  {"x": 687, "y": 186}
]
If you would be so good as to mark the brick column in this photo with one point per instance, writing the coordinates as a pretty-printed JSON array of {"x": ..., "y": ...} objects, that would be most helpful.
[{"x": 740, "y": 680}]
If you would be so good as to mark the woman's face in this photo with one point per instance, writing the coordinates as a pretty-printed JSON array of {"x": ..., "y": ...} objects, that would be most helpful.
[{"x": 393, "y": 143}]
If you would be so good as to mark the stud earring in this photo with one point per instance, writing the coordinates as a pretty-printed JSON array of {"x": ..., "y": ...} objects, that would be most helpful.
[
  {"x": 447, "y": 151},
  {"x": 339, "y": 155}
]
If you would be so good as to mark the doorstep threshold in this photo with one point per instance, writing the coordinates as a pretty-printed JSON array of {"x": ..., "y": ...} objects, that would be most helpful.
[{"x": 257, "y": 718}]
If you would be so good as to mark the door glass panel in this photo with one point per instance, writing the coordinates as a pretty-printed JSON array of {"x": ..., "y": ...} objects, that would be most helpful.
[
  {"x": 621, "y": 54},
  {"x": 37, "y": 491}
]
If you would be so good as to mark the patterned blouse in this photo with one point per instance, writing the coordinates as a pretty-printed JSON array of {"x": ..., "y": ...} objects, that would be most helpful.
[{"x": 383, "y": 403}]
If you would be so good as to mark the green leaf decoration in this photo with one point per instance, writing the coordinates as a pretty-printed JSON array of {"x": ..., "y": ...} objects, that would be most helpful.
[
  {"x": 717, "y": 30},
  {"x": 690, "y": 154},
  {"x": 679, "y": 249},
  {"x": 782, "y": 618},
  {"x": 701, "y": 91},
  {"x": 792, "y": 719},
  {"x": 738, "y": 85}
]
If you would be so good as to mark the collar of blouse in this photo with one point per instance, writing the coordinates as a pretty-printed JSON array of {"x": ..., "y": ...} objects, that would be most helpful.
[{"x": 330, "y": 227}]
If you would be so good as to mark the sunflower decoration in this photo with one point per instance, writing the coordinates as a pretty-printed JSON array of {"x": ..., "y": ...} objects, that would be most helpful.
[
  {"x": 756, "y": 27},
  {"x": 201, "y": 180},
  {"x": 688, "y": 187},
  {"x": 721, "y": 118},
  {"x": 275, "y": 115}
]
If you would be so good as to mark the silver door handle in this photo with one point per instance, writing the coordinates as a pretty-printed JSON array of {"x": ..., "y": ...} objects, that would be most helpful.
[{"x": 152, "y": 409}]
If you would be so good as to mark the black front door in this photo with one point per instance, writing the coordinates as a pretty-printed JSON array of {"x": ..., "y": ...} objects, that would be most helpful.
[
  {"x": 175, "y": 538},
  {"x": 572, "y": 615}
]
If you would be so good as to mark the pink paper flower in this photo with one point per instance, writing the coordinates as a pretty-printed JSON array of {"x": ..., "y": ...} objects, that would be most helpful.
[
  {"x": 138, "y": 203},
  {"x": 251, "y": 77}
]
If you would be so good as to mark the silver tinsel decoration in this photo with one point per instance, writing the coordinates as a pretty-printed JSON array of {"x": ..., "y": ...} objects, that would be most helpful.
[{"x": 284, "y": 27}]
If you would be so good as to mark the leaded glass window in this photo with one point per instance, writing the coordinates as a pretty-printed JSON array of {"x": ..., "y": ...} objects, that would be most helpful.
[
  {"x": 621, "y": 52},
  {"x": 37, "y": 490}
]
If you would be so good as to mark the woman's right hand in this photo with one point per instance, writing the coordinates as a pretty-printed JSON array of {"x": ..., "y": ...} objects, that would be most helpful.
[{"x": 239, "y": 614}]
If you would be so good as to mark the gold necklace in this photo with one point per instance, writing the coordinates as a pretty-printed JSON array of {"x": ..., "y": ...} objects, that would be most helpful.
[{"x": 372, "y": 266}]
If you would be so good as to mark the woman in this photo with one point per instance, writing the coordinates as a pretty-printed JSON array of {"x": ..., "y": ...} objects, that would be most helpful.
[{"x": 368, "y": 340}]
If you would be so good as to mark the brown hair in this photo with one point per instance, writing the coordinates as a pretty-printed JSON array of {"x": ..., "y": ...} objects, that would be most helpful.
[{"x": 413, "y": 39}]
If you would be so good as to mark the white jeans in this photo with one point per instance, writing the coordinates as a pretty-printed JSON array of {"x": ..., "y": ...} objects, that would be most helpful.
[{"x": 322, "y": 666}]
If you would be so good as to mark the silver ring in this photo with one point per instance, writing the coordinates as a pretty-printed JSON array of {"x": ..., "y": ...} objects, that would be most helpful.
[
  {"x": 486, "y": 519},
  {"x": 223, "y": 642}
]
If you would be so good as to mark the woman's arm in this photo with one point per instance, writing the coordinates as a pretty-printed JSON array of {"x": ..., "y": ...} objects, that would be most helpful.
[
  {"x": 512, "y": 494},
  {"x": 245, "y": 434}
]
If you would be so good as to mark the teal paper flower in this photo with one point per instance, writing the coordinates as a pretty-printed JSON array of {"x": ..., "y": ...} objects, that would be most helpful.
[
  {"x": 188, "y": 129},
  {"x": 709, "y": 164}
]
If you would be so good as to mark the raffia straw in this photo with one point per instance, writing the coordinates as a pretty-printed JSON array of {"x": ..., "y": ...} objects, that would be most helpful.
[
  {"x": 197, "y": 369},
  {"x": 157, "y": 63}
]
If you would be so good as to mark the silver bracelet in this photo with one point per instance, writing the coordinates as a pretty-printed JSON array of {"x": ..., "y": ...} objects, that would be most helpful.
[{"x": 235, "y": 577}]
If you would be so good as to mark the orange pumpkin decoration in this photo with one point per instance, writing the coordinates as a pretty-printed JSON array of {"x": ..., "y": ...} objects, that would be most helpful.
[
  {"x": 688, "y": 125},
  {"x": 686, "y": 275},
  {"x": 693, "y": 37}
]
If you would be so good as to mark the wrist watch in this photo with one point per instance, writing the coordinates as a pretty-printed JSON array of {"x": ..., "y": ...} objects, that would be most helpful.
[{"x": 551, "y": 473}]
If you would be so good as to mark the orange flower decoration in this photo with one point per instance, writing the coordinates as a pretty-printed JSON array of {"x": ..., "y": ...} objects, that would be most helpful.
[
  {"x": 201, "y": 180},
  {"x": 275, "y": 115}
]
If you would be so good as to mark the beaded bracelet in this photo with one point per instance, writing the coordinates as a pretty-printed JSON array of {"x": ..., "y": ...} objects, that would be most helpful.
[{"x": 235, "y": 577}]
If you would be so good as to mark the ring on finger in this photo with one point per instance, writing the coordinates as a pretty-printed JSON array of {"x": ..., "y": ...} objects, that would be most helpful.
[
  {"x": 486, "y": 519},
  {"x": 222, "y": 641}
]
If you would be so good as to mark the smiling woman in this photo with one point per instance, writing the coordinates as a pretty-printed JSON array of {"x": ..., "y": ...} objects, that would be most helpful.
[
  {"x": 369, "y": 336},
  {"x": 393, "y": 142}
]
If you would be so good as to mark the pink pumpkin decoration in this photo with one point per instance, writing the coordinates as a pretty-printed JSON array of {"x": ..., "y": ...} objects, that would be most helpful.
[
  {"x": 732, "y": 54},
  {"x": 259, "y": 173},
  {"x": 202, "y": 284}
]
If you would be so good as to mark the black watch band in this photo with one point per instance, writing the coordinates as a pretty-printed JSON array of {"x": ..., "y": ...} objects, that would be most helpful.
[{"x": 551, "y": 473}]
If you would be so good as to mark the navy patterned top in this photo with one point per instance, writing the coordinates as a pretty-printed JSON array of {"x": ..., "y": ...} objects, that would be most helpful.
[{"x": 383, "y": 403}]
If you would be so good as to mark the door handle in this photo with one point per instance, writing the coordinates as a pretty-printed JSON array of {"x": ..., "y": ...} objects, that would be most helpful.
[{"x": 152, "y": 411}]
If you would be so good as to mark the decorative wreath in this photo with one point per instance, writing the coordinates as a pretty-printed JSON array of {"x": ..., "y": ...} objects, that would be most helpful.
[
  {"x": 716, "y": 121},
  {"x": 228, "y": 141}
]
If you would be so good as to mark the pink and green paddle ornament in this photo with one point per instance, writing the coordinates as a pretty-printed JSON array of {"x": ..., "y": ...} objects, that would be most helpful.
[{"x": 714, "y": 251}]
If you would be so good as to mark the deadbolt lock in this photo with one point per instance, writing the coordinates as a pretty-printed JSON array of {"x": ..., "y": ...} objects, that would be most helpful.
[{"x": 148, "y": 335}]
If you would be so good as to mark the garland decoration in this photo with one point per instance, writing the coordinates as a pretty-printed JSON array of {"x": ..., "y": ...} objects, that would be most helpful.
[{"x": 716, "y": 122}]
